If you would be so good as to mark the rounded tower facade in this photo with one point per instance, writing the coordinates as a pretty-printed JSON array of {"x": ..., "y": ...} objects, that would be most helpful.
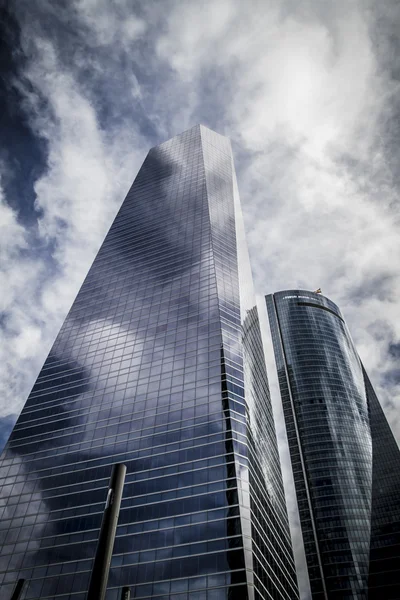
[{"x": 327, "y": 420}]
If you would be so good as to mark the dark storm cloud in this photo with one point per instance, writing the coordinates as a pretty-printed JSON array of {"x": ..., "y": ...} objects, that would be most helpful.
[
  {"x": 385, "y": 35},
  {"x": 379, "y": 287},
  {"x": 392, "y": 377},
  {"x": 23, "y": 154},
  {"x": 394, "y": 350},
  {"x": 6, "y": 425},
  {"x": 104, "y": 76}
]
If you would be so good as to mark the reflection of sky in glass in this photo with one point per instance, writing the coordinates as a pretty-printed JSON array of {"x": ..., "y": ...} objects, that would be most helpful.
[
  {"x": 327, "y": 412},
  {"x": 148, "y": 370},
  {"x": 384, "y": 566}
]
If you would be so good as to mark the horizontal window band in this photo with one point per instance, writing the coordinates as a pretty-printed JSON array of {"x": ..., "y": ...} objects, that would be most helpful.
[{"x": 322, "y": 307}]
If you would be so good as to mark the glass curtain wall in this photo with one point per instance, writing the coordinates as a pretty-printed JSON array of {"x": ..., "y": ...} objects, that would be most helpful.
[
  {"x": 344, "y": 457},
  {"x": 148, "y": 370}
]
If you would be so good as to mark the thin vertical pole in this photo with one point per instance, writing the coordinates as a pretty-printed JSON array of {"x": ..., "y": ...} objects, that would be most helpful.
[
  {"x": 105, "y": 545},
  {"x": 19, "y": 586}
]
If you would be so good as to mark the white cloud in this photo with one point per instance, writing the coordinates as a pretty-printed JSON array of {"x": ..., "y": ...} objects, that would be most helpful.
[
  {"x": 196, "y": 29},
  {"x": 18, "y": 276},
  {"x": 12, "y": 234},
  {"x": 306, "y": 105},
  {"x": 108, "y": 27},
  {"x": 89, "y": 172},
  {"x": 301, "y": 90}
]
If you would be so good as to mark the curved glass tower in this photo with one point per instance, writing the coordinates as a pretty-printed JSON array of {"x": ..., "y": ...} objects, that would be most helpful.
[
  {"x": 159, "y": 366},
  {"x": 342, "y": 451}
]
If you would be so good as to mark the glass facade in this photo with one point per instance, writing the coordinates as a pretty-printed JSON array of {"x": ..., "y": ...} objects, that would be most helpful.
[
  {"x": 158, "y": 365},
  {"x": 384, "y": 565},
  {"x": 345, "y": 460}
]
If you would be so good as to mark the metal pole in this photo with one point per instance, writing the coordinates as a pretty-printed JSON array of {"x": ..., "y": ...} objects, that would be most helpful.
[
  {"x": 126, "y": 593},
  {"x": 18, "y": 589},
  {"x": 105, "y": 545}
]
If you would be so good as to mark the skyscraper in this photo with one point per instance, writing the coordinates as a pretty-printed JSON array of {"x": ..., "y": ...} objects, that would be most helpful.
[
  {"x": 345, "y": 460},
  {"x": 158, "y": 365}
]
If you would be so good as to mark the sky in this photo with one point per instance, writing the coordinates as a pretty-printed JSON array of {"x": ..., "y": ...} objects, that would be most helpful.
[{"x": 308, "y": 91}]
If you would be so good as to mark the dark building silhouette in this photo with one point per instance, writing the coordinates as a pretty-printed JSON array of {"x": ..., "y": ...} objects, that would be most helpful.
[
  {"x": 158, "y": 365},
  {"x": 345, "y": 460}
]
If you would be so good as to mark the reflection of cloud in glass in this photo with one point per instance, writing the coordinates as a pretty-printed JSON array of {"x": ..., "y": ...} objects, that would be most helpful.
[
  {"x": 335, "y": 448},
  {"x": 148, "y": 370},
  {"x": 20, "y": 506}
]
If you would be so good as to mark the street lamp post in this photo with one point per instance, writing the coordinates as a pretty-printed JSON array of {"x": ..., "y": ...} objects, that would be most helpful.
[{"x": 105, "y": 545}]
